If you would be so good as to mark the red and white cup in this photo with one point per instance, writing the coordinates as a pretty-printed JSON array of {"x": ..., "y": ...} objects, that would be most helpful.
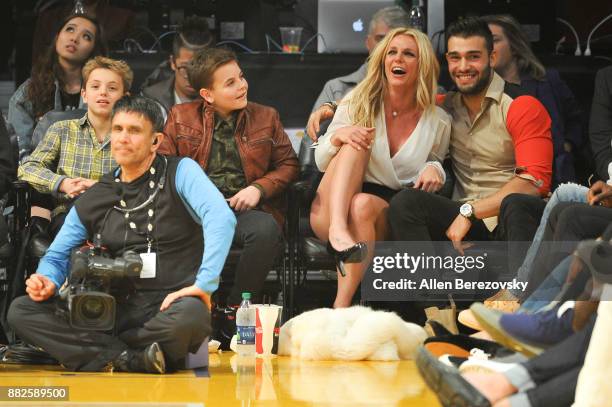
[{"x": 267, "y": 328}]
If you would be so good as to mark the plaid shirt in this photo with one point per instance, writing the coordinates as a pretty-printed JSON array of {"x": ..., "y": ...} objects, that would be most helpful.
[{"x": 70, "y": 149}]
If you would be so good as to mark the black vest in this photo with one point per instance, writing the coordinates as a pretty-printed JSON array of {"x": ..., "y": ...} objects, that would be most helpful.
[{"x": 176, "y": 237}]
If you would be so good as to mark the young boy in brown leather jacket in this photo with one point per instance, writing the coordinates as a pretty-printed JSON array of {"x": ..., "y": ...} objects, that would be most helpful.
[{"x": 246, "y": 153}]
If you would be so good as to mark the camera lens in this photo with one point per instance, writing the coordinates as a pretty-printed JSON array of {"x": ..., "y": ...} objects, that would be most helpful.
[{"x": 93, "y": 308}]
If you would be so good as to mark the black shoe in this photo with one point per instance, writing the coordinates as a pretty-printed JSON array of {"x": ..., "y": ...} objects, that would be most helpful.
[
  {"x": 149, "y": 360},
  {"x": 461, "y": 345},
  {"x": 224, "y": 325},
  {"x": 354, "y": 254},
  {"x": 40, "y": 240},
  {"x": 597, "y": 256},
  {"x": 448, "y": 384}
]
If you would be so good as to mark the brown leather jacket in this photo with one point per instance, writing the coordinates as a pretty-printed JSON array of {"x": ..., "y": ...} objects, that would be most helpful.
[{"x": 266, "y": 153}]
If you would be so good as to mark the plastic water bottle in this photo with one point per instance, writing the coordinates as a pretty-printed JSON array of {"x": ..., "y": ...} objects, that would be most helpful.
[
  {"x": 245, "y": 327},
  {"x": 416, "y": 16}
]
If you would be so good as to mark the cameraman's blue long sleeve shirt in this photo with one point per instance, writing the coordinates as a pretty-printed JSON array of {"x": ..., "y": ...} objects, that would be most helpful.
[{"x": 202, "y": 200}]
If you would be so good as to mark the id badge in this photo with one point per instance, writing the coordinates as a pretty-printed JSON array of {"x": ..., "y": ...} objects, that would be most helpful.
[{"x": 149, "y": 262}]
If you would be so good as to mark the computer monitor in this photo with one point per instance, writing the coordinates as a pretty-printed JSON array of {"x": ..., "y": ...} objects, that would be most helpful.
[{"x": 343, "y": 24}]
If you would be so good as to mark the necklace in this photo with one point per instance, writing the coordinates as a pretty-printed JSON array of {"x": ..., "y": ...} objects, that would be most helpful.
[
  {"x": 395, "y": 113},
  {"x": 154, "y": 188}
]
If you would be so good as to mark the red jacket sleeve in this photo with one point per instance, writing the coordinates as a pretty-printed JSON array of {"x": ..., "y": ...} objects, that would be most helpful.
[{"x": 528, "y": 123}]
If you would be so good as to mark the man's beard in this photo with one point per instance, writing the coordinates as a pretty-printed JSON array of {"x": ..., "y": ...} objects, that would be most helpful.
[{"x": 479, "y": 86}]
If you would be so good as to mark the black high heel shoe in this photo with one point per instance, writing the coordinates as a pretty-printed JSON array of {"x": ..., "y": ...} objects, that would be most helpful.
[{"x": 354, "y": 254}]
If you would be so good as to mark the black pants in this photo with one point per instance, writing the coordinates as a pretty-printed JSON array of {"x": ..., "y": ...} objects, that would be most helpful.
[
  {"x": 519, "y": 218},
  {"x": 180, "y": 329},
  {"x": 568, "y": 224},
  {"x": 555, "y": 372},
  {"x": 415, "y": 215},
  {"x": 260, "y": 238}
]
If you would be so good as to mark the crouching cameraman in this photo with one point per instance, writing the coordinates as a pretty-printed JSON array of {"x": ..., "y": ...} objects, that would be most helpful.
[{"x": 159, "y": 207}]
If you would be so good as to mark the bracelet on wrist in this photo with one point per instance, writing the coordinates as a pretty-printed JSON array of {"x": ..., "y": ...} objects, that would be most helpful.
[{"x": 332, "y": 105}]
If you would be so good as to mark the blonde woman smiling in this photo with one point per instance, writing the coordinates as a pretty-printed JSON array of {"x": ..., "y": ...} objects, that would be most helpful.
[{"x": 387, "y": 135}]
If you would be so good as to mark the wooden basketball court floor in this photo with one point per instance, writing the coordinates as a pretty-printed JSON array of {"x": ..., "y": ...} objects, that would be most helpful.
[{"x": 232, "y": 381}]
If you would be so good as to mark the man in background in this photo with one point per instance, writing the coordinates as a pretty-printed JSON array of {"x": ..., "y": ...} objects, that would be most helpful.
[{"x": 192, "y": 36}]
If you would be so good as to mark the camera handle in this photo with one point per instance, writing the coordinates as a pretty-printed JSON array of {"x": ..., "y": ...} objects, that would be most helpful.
[{"x": 97, "y": 244}]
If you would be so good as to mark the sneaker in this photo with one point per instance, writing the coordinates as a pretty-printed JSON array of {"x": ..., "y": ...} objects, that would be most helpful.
[
  {"x": 149, "y": 360},
  {"x": 447, "y": 383},
  {"x": 543, "y": 328},
  {"x": 490, "y": 320},
  {"x": 485, "y": 366},
  {"x": 503, "y": 301},
  {"x": 462, "y": 346},
  {"x": 224, "y": 325},
  {"x": 466, "y": 318},
  {"x": 454, "y": 361}
]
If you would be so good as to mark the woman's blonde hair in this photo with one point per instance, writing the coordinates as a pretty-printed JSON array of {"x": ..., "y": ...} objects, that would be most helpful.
[{"x": 366, "y": 100}]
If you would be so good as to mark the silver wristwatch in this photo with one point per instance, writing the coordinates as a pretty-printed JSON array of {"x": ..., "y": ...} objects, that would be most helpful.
[{"x": 467, "y": 211}]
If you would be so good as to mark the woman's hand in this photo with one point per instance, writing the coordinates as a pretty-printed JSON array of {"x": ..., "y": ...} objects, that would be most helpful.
[
  {"x": 430, "y": 179},
  {"x": 358, "y": 137}
]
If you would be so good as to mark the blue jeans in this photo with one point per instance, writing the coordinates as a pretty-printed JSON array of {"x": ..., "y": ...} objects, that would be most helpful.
[
  {"x": 549, "y": 289},
  {"x": 563, "y": 193}
]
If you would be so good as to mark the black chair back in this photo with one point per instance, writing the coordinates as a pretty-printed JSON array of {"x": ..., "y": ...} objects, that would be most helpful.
[{"x": 51, "y": 117}]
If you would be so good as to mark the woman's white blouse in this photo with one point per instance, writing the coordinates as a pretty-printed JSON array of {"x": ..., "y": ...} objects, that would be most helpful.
[{"x": 428, "y": 145}]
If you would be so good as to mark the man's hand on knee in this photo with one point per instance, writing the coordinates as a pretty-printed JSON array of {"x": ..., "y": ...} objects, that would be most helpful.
[
  {"x": 457, "y": 231},
  {"x": 191, "y": 291},
  {"x": 39, "y": 287},
  {"x": 600, "y": 193},
  {"x": 323, "y": 113}
]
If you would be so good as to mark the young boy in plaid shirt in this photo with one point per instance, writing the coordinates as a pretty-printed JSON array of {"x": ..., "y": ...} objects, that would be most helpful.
[{"x": 74, "y": 154}]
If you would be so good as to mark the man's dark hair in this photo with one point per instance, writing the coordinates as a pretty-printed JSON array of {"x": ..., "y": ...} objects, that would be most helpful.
[
  {"x": 146, "y": 107},
  {"x": 193, "y": 34},
  {"x": 471, "y": 27},
  {"x": 204, "y": 64}
]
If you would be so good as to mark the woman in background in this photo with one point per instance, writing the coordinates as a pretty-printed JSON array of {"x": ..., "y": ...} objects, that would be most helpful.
[{"x": 55, "y": 83}]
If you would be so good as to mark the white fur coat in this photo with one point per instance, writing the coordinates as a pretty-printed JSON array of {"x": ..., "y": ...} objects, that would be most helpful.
[{"x": 355, "y": 333}]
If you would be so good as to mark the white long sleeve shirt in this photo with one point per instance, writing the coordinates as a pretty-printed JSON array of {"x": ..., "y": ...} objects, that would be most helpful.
[{"x": 427, "y": 145}]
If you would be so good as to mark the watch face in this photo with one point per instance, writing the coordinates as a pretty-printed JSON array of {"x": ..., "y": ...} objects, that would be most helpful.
[{"x": 466, "y": 210}]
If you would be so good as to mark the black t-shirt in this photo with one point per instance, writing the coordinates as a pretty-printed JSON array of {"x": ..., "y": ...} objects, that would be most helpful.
[{"x": 70, "y": 101}]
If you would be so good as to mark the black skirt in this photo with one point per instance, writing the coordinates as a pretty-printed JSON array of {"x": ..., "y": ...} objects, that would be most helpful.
[{"x": 380, "y": 191}]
